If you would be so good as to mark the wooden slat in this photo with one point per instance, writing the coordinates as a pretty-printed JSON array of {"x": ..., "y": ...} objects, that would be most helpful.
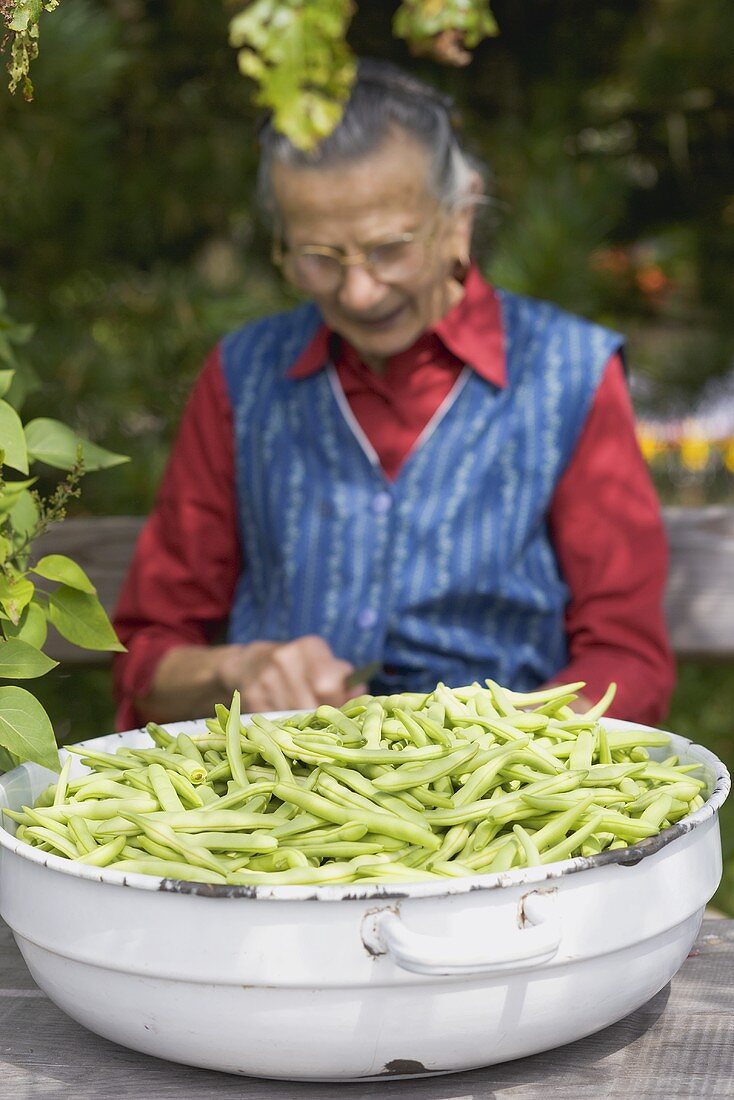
[
  {"x": 103, "y": 546},
  {"x": 700, "y": 593},
  {"x": 699, "y": 602},
  {"x": 677, "y": 1045}
]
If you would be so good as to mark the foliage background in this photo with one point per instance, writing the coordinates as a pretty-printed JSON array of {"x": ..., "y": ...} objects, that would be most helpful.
[{"x": 129, "y": 237}]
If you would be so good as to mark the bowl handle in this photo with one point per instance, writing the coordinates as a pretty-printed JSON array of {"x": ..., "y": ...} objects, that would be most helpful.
[{"x": 534, "y": 941}]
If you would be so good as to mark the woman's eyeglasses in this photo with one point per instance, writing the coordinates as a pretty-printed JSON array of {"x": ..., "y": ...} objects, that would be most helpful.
[{"x": 319, "y": 268}]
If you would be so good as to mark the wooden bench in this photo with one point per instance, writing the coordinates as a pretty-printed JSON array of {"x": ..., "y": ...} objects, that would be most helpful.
[{"x": 699, "y": 602}]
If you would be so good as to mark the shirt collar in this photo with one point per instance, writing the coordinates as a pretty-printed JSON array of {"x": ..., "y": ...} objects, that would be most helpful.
[{"x": 471, "y": 330}]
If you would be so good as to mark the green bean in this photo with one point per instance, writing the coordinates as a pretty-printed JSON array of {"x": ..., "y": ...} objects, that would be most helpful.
[
  {"x": 426, "y": 797},
  {"x": 372, "y": 724},
  {"x": 210, "y": 818},
  {"x": 162, "y": 738},
  {"x": 671, "y": 775},
  {"x": 339, "y": 849},
  {"x": 111, "y": 827},
  {"x": 188, "y": 794},
  {"x": 233, "y": 745},
  {"x": 595, "y": 712},
  {"x": 60, "y": 792},
  {"x": 163, "y": 788},
  {"x": 143, "y": 843},
  {"x": 269, "y": 749},
  {"x": 413, "y": 729},
  {"x": 337, "y": 718},
  {"x": 504, "y": 858},
  {"x": 194, "y": 771},
  {"x": 232, "y": 842},
  {"x": 377, "y": 821},
  {"x": 120, "y": 760},
  {"x": 295, "y": 876},
  {"x": 530, "y": 849},
  {"x": 76, "y": 784},
  {"x": 104, "y": 854},
  {"x": 545, "y": 695},
  {"x": 684, "y": 792},
  {"x": 394, "y": 871},
  {"x": 372, "y": 756},
  {"x": 657, "y": 811},
  {"x": 582, "y": 751},
  {"x": 631, "y": 829},
  {"x": 60, "y": 844},
  {"x": 99, "y": 810},
  {"x": 565, "y": 848},
  {"x": 628, "y": 739},
  {"x": 596, "y": 843},
  {"x": 285, "y": 858},
  {"x": 164, "y": 834},
  {"x": 555, "y": 803},
  {"x": 554, "y": 832},
  {"x": 485, "y": 832},
  {"x": 162, "y": 868},
  {"x": 81, "y": 835},
  {"x": 38, "y": 816},
  {"x": 186, "y": 747},
  {"x": 407, "y": 776},
  {"x": 602, "y": 774},
  {"x": 236, "y": 796},
  {"x": 105, "y": 788},
  {"x": 453, "y": 842}
]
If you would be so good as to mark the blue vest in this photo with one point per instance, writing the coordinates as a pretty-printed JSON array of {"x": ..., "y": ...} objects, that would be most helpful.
[{"x": 448, "y": 573}]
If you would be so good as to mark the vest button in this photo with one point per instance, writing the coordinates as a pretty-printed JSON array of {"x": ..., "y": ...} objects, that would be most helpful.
[
  {"x": 367, "y": 618},
  {"x": 381, "y": 503}
]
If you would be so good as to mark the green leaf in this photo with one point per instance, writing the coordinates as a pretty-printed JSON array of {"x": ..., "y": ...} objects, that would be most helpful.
[
  {"x": 15, "y": 594},
  {"x": 6, "y": 377},
  {"x": 21, "y": 661},
  {"x": 7, "y": 760},
  {"x": 32, "y": 627},
  {"x": 54, "y": 443},
  {"x": 12, "y": 438},
  {"x": 26, "y": 382},
  {"x": 11, "y": 492},
  {"x": 24, "y": 514},
  {"x": 25, "y": 729},
  {"x": 80, "y": 618},
  {"x": 57, "y": 567}
]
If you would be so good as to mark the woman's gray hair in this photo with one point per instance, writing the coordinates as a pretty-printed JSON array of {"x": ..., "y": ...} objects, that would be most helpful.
[{"x": 383, "y": 98}]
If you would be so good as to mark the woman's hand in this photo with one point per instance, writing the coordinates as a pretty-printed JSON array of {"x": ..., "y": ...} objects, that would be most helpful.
[{"x": 296, "y": 675}]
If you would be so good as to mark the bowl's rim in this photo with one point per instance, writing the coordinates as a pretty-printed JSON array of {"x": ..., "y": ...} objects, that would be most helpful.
[{"x": 530, "y": 876}]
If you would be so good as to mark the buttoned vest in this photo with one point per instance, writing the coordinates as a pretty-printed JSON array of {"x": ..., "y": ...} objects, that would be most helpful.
[{"x": 448, "y": 573}]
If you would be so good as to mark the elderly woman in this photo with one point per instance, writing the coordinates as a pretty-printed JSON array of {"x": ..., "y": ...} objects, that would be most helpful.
[{"x": 414, "y": 468}]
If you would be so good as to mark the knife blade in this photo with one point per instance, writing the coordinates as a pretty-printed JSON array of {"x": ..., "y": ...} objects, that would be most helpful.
[{"x": 363, "y": 674}]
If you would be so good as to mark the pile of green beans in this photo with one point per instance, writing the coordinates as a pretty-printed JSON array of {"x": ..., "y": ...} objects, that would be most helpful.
[{"x": 399, "y": 788}]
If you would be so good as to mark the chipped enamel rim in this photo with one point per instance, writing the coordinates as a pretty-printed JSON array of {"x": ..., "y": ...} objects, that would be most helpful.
[{"x": 630, "y": 856}]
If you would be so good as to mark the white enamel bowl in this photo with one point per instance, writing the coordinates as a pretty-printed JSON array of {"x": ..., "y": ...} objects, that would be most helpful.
[{"x": 352, "y": 982}]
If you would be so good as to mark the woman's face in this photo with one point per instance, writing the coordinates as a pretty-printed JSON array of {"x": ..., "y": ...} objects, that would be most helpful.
[{"x": 352, "y": 208}]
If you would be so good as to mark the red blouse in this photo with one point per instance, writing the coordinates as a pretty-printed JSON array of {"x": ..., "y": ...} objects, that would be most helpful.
[{"x": 604, "y": 518}]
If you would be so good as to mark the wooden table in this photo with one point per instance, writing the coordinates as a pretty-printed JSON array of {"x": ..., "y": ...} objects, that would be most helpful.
[{"x": 680, "y": 1044}]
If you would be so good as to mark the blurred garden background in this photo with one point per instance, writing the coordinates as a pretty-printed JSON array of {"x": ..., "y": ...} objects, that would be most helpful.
[{"x": 130, "y": 242}]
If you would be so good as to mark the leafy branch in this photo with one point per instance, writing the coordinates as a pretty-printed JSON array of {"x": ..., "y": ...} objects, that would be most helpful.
[
  {"x": 27, "y": 603},
  {"x": 445, "y": 29},
  {"x": 296, "y": 51},
  {"x": 21, "y": 20}
]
